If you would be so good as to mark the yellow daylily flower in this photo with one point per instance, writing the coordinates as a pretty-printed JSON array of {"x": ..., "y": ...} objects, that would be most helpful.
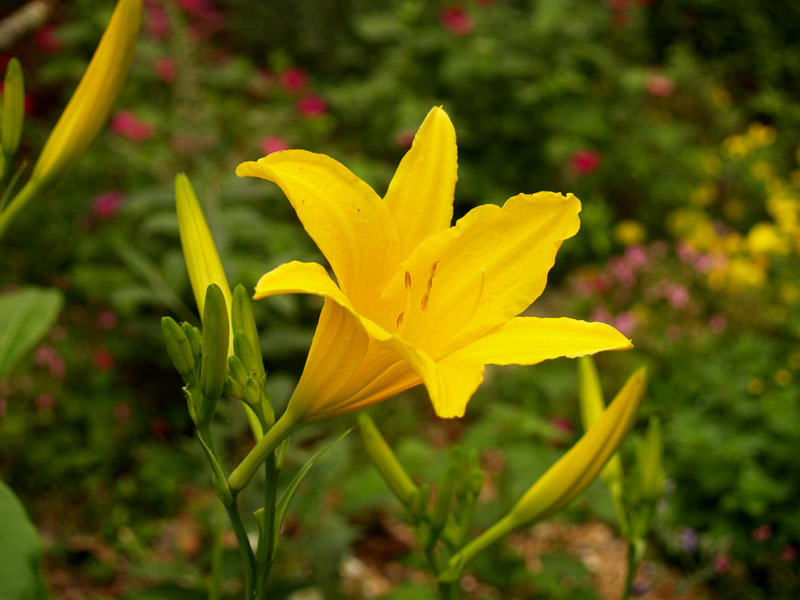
[{"x": 419, "y": 301}]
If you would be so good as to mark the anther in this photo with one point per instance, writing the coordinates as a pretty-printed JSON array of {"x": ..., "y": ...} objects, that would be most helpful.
[
  {"x": 400, "y": 319},
  {"x": 408, "y": 280}
]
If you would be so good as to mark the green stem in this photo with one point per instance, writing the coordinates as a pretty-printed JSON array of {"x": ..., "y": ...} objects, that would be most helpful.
[
  {"x": 242, "y": 474},
  {"x": 492, "y": 535},
  {"x": 214, "y": 590},
  {"x": 28, "y": 192},
  {"x": 244, "y": 547},
  {"x": 266, "y": 545},
  {"x": 631, "y": 571}
]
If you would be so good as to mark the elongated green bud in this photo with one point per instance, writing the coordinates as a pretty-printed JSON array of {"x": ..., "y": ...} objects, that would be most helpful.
[
  {"x": 242, "y": 320},
  {"x": 13, "y": 110},
  {"x": 214, "y": 367},
  {"x": 195, "y": 341},
  {"x": 446, "y": 489},
  {"x": 475, "y": 481},
  {"x": 178, "y": 348},
  {"x": 244, "y": 350},
  {"x": 252, "y": 392},
  {"x": 237, "y": 370},
  {"x": 385, "y": 460},
  {"x": 650, "y": 461}
]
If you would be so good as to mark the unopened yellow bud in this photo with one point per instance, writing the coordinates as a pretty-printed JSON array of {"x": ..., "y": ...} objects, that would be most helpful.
[{"x": 92, "y": 101}]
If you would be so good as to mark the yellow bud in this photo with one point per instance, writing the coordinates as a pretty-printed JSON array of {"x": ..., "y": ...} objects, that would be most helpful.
[
  {"x": 97, "y": 91},
  {"x": 202, "y": 259}
]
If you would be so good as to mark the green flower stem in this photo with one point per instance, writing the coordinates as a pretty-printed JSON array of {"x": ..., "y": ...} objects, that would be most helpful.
[
  {"x": 244, "y": 548},
  {"x": 215, "y": 588},
  {"x": 631, "y": 571},
  {"x": 242, "y": 474},
  {"x": 26, "y": 194},
  {"x": 266, "y": 545},
  {"x": 496, "y": 532}
]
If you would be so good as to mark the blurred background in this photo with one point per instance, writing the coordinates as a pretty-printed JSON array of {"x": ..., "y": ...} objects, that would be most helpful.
[{"x": 675, "y": 122}]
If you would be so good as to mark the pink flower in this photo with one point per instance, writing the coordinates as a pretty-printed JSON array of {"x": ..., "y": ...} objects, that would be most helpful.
[
  {"x": 602, "y": 315},
  {"x": 686, "y": 252},
  {"x": 678, "y": 296},
  {"x": 46, "y": 356},
  {"x": 636, "y": 256},
  {"x": 293, "y": 79},
  {"x": 721, "y": 563},
  {"x": 586, "y": 161},
  {"x": 166, "y": 69},
  {"x": 156, "y": 20},
  {"x": 456, "y": 20},
  {"x": 621, "y": 271},
  {"x": 625, "y": 322},
  {"x": 718, "y": 323},
  {"x": 102, "y": 359},
  {"x": 106, "y": 205},
  {"x": 658, "y": 85},
  {"x": 761, "y": 533},
  {"x": 272, "y": 144},
  {"x": 312, "y": 106},
  {"x": 107, "y": 320},
  {"x": 127, "y": 125},
  {"x": 209, "y": 19},
  {"x": 44, "y": 402},
  {"x": 47, "y": 40}
]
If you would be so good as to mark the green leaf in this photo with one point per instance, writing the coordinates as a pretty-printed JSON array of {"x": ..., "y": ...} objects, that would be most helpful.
[
  {"x": 26, "y": 315},
  {"x": 286, "y": 498},
  {"x": 20, "y": 551}
]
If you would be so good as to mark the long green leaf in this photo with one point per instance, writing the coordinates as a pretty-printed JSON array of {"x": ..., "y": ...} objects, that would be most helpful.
[
  {"x": 288, "y": 494},
  {"x": 26, "y": 315},
  {"x": 20, "y": 551}
]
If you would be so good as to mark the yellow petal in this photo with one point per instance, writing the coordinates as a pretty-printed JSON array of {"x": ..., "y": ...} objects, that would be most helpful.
[
  {"x": 92, "y": 101},
  {"x": 339, "y": 345},
  {"x": 420, "y": 195},
  {"x": 482, "y": 272},
  {"x": 577, "y": 468},
  {"x": 349, "y": 222},
  {"x": 530, "y": 340}
]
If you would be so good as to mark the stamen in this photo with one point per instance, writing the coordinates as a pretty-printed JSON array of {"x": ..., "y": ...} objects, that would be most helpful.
[
  {"x": 400, "y": 319},
  {"x": 408, "y": 301},
  {"x": 427, "y": 296},
  {"x": 408, "y": 280}
]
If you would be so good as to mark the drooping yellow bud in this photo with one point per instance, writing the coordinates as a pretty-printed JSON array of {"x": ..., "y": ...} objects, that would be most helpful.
[
  {"x": 567, "y": 478},
  {"x": 97, "y": 91}
]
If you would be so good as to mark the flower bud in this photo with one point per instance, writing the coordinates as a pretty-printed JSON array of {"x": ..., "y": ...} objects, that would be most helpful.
[
  {"x": 178, "y": 348},
  {"x": 385, "y": 460},
  {"x": 13, "y": 110},
  {"x": 214, "y": 368},
  {"x": 242, "y": 320},
  {"x": 446, "y": 489},
  {"x": 202, "y": 259},
  {"x": 97, "y": 91},
  {"x": 652, "y": 482}
]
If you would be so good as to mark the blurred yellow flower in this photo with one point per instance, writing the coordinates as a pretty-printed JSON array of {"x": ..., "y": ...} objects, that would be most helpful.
[
  {"x": 736, "y": 146},
  {"x": 416, "y": 300},
  {"x": 629, "y": 233},
  {"x": 760, "y": 134},
  {"x": 764, "y": 238},
  {"x": 704, "y": 195}
]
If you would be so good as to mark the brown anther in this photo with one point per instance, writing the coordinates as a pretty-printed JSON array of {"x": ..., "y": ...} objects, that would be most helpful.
[
  {"x": 424, "y": 303},
  {"x": 400, "y": 319},
  {"x": 408, "y": 280}
]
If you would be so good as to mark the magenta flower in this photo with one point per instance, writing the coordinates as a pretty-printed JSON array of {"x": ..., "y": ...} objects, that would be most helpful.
[
  {"x": 106, "y": 205},
  {"x": 586, "y": 161},
  {"x": 658, "y": 85},
  {"x": 293, "y": 79},
  {"x": 721, "y": 563},
  {"x": 312, "y": 106},
  {"x": 456, "y": 20},
  {"x": 156, "y": 20},
  {"x": 761, "y": 533},
  {"x": 46, "y": 356},
  {"x": 126, "y": 124},
  {"x": 102, "y": 359},
  {"x": 44, "y": 402},
  {"x": 272, "y": 144},
  {"x": 107, "y": 319},
  {"x": 48, "y": 41},
  {"x": 166, "y": 69}
]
